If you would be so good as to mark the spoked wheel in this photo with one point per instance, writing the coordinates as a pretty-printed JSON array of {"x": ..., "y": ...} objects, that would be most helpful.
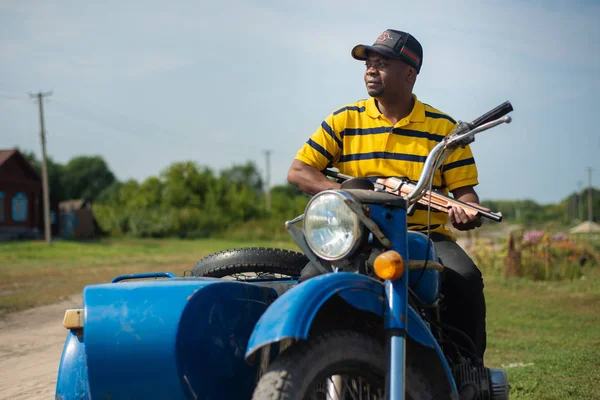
[
  {"x": 337, "y": 365},
  {"x": 251, "y": 263},
  {"x": 350, "y": 385}
]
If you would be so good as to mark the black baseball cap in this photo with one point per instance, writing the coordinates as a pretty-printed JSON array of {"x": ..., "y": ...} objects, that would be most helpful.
[{"x": 393, "y": 44}]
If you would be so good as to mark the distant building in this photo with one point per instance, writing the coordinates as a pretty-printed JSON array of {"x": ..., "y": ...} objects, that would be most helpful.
[
  {"x": 586, "y": 227},
  {"x": 21, "y": 203},
  {"x": 76, "y": 219}
]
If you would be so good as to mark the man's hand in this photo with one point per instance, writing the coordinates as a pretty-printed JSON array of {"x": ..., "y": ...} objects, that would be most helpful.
[
  {"x": 458, "y": 217},
  {"x": 462, "y": 221}
]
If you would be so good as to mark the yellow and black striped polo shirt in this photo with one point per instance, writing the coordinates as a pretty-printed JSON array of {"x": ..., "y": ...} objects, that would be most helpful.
[{"x": 360, "y": 141}]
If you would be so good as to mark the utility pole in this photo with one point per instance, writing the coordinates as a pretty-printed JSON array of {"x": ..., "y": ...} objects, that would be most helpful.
[
  {"x": 267, "y": 180},
  {"x": 590, "y": 208},
  {"x": 571, "y": 209},
  {"x": 580, "y": 199},
  {"x": 46, "y": 190}
]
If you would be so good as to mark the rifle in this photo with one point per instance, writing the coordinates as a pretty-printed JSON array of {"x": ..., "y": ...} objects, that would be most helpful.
[{"x": 437, "y": 200}]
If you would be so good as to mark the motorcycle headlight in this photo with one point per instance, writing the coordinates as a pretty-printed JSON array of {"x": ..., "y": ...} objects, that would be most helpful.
[{"x": 332, "y": 229}]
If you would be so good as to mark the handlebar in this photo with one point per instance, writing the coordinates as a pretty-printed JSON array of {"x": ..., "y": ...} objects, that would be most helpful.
[
  {"x": 462, "y": 135},
  {"x": 491, "y": 115}
]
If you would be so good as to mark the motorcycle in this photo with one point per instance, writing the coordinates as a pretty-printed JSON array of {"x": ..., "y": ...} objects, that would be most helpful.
[{"x": 368, "y": 327}]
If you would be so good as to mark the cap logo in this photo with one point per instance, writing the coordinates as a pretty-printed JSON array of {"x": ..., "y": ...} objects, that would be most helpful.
[{"x": 383, "y": 37}]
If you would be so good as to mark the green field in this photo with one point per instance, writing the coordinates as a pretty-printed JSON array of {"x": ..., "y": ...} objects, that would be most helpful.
[
  {"x": 552, "y": 329},
  {"x": 34, "y": 274},
  {"x": 546, "y": 334}
]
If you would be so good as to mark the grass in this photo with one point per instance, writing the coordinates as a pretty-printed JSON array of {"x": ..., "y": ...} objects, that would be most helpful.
[
  {"x": 545, "y": 334},
  {"x": 34, "y": 274}
]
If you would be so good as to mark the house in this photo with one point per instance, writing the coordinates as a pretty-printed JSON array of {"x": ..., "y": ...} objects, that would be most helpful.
[
  {"x": 76, "y": 219},
  {"x": 21, "y": 201}
]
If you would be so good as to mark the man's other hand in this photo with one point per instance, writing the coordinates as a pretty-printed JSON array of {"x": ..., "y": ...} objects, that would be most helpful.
[{"x": 463, "y": 221}]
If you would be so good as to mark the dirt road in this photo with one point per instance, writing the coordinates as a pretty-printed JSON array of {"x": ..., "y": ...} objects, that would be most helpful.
[{"x": 31, "y": 344}]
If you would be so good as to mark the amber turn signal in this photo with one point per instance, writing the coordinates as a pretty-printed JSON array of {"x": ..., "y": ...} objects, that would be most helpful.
[{"x": 389, "y": 265}]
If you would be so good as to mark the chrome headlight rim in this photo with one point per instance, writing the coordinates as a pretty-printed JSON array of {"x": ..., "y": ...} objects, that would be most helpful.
[{"x": 358, "y": 227}]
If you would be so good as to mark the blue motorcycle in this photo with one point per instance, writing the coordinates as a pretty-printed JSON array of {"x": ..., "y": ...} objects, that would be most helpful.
[{"x": 368, "y": 327}]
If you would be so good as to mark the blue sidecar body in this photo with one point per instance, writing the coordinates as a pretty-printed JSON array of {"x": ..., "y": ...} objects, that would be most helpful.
[{"x": 197, "y": 338}]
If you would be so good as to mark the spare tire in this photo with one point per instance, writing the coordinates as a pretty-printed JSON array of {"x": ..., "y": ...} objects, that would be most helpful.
[{"x": 259, "y": 261}]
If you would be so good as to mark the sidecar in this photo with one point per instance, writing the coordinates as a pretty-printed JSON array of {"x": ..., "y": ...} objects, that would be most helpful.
[
  {"x": 156, "y": 335},
  {"x": 160, "y": 336}
]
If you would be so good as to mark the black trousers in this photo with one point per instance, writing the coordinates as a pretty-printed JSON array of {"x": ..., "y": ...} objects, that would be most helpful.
[{"x": 462, "y": 287}]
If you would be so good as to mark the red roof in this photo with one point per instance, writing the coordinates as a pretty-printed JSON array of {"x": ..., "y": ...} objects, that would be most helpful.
[{"x": 6, "y": 154}]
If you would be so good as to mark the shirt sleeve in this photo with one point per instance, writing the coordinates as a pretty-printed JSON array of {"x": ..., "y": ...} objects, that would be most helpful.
[
  {"x": 459, "y": 169},
  {"x": 323, "y": 147}
]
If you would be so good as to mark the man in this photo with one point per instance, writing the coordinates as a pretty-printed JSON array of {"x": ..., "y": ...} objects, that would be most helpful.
[{"x": 391, "y": 134}]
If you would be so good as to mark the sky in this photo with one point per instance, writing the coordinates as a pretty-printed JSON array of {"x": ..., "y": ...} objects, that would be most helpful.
[{"x": 148, "y": 83}]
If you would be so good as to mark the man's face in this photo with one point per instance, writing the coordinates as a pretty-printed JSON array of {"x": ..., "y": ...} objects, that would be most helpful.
[{"x": 388, "y": 77}]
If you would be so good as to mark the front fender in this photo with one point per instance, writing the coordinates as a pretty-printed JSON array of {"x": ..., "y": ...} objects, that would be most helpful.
[{"x": 291, "y": 316}]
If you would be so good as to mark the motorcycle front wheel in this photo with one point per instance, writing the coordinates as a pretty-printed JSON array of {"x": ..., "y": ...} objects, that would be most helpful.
[{"x": 336, "y": 365}]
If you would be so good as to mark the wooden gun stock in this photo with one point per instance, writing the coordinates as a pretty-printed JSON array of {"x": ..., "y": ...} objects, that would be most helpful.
[{"x": 437, "y": 200}]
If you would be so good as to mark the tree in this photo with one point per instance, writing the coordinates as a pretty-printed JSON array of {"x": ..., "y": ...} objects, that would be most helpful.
[
  {"x": 150, "y": 193},
  {"x": 288, "y": 190},
  {"x": 86, "y": 177},
  {"x": 186, "y": 184},
  {"x": 55, "y": 175},
  {"x": 111, "y": 195},
  {"x": 287, "y": 201},
  {"x": 244, "y": 175}
]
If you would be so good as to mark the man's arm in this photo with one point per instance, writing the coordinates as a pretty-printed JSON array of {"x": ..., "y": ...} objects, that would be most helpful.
[
  {"x": 459, "y": 219},
  {"x": 309, "y": 179}
]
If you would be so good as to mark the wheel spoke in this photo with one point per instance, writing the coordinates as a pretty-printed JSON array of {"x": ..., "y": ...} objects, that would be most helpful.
[
  {"x": 346, "y": 387},
  {"x": 333, "y": 387},
  {"x": 245, "y": 276},
  {"x": 360, "y": 390}
]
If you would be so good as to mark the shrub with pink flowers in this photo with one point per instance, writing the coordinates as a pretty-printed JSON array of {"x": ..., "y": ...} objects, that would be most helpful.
[{"x": 537, "y": 255}]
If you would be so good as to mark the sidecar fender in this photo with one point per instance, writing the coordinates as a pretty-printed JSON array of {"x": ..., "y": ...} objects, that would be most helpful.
[{"x": 291, "y": 315}]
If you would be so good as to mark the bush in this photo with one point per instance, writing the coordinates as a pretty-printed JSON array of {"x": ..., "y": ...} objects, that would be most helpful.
[
  {"x": 111, "y": 220},
  {"x": 150, "y": 223},
  {"x": 264, "y": 229},
  {"x": 536, "y": 255}
]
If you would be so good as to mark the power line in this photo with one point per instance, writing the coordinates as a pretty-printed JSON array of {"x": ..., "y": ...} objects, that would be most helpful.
[
  {"x": 268, "y": 180},
  {"x": 142, "y": 129},
  {"x": 580, "y": 199},
  {"x": 45, "y": 187},
  {"x": 590, "y": 208},
  {"x": 2, "y": 96},
  {"x": 147, "y": 129},
  {"x": 11, "y": 95}
]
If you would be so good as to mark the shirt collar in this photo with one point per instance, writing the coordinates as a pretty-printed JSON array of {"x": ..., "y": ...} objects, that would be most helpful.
[{"x": 416, "y": 115}]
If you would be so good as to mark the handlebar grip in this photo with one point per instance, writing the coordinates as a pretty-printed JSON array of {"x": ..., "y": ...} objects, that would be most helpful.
[
  {"x": 496, "y": 113},
  {"x": 336, "y": 174}
]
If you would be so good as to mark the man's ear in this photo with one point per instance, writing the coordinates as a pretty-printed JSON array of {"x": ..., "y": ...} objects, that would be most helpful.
[{"x": 412, "y": 75}]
